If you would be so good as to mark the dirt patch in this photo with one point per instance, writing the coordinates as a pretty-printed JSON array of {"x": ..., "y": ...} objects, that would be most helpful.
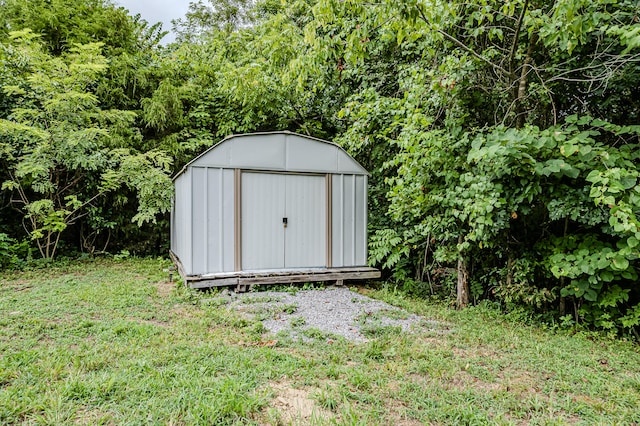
[
  {"x": 475, "y": 353},
  {"x": 399, "y": 419},
  {"x": 397, "y": 411},
  {"x": 463, "y": 380},
  {"x": 17, "y": 285},
  {"x": 153, "y": 322},
  {"x": 164, "y": 288},
  {"x": 92, "y": 416},
  {"x": 294, "y": 406}
]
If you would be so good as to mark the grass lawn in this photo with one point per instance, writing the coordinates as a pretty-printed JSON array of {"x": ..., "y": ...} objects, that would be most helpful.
[{"x": 111, "y": 342}]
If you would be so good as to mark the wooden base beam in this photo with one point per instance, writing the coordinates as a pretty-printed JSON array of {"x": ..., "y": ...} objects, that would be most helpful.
[{"x": 245, "y": 280}]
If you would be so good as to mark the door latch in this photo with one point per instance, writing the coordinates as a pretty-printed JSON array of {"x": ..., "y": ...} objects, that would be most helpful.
[{"x": 285, "y": 221}]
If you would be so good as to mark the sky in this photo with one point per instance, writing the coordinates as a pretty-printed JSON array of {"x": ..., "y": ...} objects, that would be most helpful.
[{"x": 157, "y": 11}]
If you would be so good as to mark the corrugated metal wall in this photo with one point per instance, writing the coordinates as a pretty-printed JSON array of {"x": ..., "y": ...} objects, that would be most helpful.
[
  {"x": 181, "y": 220},
  {"x": 268, "y": 198},
  {"x": 202, "y": 222},
  {"x": 349, "y": 220},
  {"x": 263, "y": 202},
  {"x": 213, "y": 220},
  {"x": 306, "y": 211}
]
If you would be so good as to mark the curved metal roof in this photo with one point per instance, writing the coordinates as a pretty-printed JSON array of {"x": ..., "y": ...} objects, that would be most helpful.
[{"x": 278, "y": 151}]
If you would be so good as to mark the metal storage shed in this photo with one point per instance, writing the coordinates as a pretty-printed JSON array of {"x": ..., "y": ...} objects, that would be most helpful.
[{"x": 270, "y": 208}]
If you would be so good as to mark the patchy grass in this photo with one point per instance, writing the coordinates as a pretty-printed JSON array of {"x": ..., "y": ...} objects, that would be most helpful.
[{"x": 111, "y": 342}]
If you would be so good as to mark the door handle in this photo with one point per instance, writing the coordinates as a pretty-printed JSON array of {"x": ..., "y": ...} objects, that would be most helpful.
[{"x": 285, "y": 221}]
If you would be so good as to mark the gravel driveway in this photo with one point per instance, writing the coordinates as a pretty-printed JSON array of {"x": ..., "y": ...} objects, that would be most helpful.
[{"x": 326, "y": 313}]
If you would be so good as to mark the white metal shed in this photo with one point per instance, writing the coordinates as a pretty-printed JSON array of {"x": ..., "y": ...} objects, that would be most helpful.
[{"x": 270, "y": 208}]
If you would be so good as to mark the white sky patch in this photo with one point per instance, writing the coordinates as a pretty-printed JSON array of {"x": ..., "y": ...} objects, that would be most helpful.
[{"x": 157, "y": 11}]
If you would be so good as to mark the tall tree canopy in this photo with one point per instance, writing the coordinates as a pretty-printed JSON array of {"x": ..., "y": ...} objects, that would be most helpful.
[
  {"x": 62, "y": 23},
  {"x": 505, "y": 150},
  {"x": 62, "y": 150},
  {"x": 72, "y": 77}
]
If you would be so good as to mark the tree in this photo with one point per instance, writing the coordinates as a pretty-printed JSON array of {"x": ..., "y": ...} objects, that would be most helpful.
[
  {"x": 203, "y": 18},
  {"x": 494, "y": 123},
  {"x": 63, "y": 23},
  {"x": 61, "y": 150}
]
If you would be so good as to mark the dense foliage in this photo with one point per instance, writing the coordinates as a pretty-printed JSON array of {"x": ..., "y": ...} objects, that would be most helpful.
[{"x": 502, "y": 137}]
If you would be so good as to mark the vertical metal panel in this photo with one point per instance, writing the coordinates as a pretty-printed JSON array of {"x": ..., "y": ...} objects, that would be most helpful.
[
  {"x": 183, "y": 220},
  {"x": 172, "y": 227},
  {"x": 329, "y": 225},
  {"x": 218, "y": 227},
  {"x": 212, "y": 231},
  {"x": 204, "y": 225},
  {"x": 199, "y": 219},
  {"x": 337, "y": 221},
  {"x": 263, "y": 204},
  {"x": 365, "y": 225},
  {"x": 237, "y": 220},
  {"x": 215, "y": 197},
  {"x": 360, "y": 223},
  {"x": 227, "y": 225},
  {"x": 354, "y": 224},
  {"x": 181, "y": 216},
  {"x": 349, "y": 220},
  {"x": 306, "y": 231},
  {"x": 348, "y": 194}
]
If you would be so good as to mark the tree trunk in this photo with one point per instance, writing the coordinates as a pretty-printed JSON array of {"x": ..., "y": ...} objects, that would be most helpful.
[
  {"x": 562, "y": 307},
  {"x": 462, "y": 299},
  {"x": 510, "y": 263},
  {"x": 521, "y": 89}
]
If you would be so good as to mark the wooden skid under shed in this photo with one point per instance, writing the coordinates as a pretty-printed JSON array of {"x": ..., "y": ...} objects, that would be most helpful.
[{"x": 244, "y": 280}]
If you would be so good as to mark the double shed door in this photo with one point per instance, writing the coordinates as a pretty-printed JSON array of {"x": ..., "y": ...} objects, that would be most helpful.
[{"x": 284, "y": 221}]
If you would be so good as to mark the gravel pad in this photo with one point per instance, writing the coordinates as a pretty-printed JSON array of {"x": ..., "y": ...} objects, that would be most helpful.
[{"x": 332, "y": 311}]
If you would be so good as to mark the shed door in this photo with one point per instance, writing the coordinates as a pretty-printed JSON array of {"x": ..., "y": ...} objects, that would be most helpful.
[{"x": 284, "y": 222}]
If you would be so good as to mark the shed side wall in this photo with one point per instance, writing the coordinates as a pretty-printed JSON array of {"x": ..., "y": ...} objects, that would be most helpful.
[
  {"x": 173, "y": 241},
  {"x": 200, "y": 193},
  {"x": 181, "y": 221}
]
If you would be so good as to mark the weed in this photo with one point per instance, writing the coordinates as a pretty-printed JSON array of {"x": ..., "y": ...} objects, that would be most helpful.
[
  {"x": 293, "y": 288},
  {"x": 379, "y": 330},
  {"x": 214, "y": 302},
  {"x": 257, "y": 329},
  {"x": 375, "y": 350},
  {"x": 327, "y": 400},
  {"x": 395, "y": 314},
  {"x": 260, "y": 299},
  {"x": 317, "y": 334},
  {"x": 124, "y": 254},
  {"x": 289, "y": 309},
  {"x": 297, "y": 322}
]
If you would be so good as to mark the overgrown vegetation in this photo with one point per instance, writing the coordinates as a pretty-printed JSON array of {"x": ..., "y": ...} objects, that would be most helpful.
[
  {"x": 111, "y": 342},
  {"x": 502, "y": 137}
]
